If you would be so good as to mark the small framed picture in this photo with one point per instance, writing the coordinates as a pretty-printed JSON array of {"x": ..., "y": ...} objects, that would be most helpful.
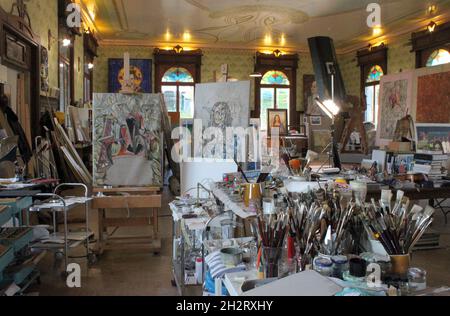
[
  {"x": 316, "y": 120},
  {"x": 277, "y": 119}
]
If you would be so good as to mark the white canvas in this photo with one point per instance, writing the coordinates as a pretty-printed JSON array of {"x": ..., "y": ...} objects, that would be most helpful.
[{"x": 223, "y": 105}]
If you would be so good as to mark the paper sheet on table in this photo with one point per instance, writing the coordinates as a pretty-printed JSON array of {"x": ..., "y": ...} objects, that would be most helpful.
[
  {"x": 196, "y": 223},
  {"x": 308, "y": 283}
]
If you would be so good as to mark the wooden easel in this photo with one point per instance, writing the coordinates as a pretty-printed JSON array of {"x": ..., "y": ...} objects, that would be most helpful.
[
  {"x": 356, "y": 122},
  {"x": 148, "y": 198}
]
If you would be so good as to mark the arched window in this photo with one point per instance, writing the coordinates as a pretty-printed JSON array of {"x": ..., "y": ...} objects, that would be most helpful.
[
  {"x": 438, "y": 57},
  {"x": 275, "y": 94},
  {"x": 372, "y": 92},
  {"x": 177, "y": 85}
]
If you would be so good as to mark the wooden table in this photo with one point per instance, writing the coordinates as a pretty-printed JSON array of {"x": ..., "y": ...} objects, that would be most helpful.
[{"x": 116, "y": 199}]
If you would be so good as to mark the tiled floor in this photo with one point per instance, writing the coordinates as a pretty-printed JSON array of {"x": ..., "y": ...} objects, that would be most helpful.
[{"x": 135, "y": 272}]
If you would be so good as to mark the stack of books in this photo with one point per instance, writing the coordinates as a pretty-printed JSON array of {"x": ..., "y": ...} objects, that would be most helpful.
[{"x": 433, "y": 165}]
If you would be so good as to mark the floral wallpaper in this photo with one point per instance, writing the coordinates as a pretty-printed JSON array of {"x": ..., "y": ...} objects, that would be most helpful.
[
  {"x": 44, "y": 17},
  {"x": 240, "y": 64}
]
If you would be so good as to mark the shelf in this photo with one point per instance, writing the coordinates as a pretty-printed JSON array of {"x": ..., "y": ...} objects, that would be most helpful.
[{"x": 74, "y": 240}]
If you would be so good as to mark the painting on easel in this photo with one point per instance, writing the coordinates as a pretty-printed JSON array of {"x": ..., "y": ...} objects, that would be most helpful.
[{"x": 127, "y": 140}]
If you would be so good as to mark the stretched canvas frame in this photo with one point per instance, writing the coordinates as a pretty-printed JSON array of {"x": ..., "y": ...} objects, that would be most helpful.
[
  {"x": 396, "y": 93},
  {"x": 222, "y": 105},
  {"x": 437, "y": 138},
  {"x": 127, "y": 145}
]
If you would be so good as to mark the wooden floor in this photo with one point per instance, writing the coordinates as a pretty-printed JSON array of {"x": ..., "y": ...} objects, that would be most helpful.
[{"x": 134, "y": 272}]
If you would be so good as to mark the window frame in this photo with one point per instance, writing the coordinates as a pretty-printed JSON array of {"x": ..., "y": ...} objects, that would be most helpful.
[
  {"x": 178, "y": 85},
  {"x": 367, "y": 59},
  {"x": 288, "y": 64},
  {"x": 167, "y": 59},
  {"x": 432, "y": 52},
  {"x": 275, "y": 88}
]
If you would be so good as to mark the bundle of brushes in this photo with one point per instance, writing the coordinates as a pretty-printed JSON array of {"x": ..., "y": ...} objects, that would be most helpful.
[
  {"x": 320, "y": 225},
  {"x": 392, "y": 225},
  {"x": 272, "y": 231}
]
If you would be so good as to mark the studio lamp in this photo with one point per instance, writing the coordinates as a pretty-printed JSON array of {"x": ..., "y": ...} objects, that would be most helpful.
[{"x": 331, "y": 109}]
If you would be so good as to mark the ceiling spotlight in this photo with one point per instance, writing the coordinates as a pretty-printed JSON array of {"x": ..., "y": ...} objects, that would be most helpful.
[
  {"x": 431, "y": 27},
  {"x": 178, "y": 49},
  {"x": 277, "y": 53},
  {"x": 66, "y": 42},
  {"x": 377, "y": 30}
]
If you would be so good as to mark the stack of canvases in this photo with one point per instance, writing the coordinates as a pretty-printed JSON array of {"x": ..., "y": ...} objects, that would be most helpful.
[{"x": 68, "y": 156}]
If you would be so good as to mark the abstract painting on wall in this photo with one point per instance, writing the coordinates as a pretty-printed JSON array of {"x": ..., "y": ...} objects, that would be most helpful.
[
  {"x": 433, "y": 93},
  {"x": 222, "y": 105},
  {"x": 395, "y": 104},
  {"x": 140, "y": 73},
  {"x": 127, "y": 140}
]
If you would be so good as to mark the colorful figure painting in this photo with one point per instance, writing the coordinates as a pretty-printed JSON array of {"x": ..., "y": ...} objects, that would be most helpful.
[
  {"x": 140, "y": 73},
  {"x": 395, "y": 104},
  {"x": 127, "y": 140}
]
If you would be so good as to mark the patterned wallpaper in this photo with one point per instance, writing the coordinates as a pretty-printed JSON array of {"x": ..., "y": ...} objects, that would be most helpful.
[
  {"x": 351, "y": 73},
  {"x": 241, "y": 65},
  {"x": 400, "y": 56},
  {"x": 44, "y": 17}
]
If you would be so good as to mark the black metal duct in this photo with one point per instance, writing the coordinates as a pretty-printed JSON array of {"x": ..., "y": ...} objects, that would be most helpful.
[{"x": 325, "y": 62}]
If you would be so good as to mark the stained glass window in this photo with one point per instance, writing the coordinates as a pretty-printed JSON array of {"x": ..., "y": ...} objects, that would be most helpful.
[
  {"x": 375, "y": 74},
  {"x": 178, "y": 75},
  {"x": 439, "y": 57},
  {"x": 275, "y": 78}
]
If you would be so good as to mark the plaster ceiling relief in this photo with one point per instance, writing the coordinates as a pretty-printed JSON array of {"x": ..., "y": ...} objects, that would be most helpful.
[{"x": 247, "y": 24}]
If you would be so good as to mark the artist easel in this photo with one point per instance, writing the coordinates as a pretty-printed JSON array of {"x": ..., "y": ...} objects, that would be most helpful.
[
  {"x": 111, "y": 201},
  {"x": 355, "y": 123},
  {"x": 128, "y": 198}
]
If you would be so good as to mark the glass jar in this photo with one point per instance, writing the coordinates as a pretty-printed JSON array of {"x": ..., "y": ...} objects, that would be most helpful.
[
  {"x": 271, "y": 257},
  {"x": 340, "y": 265},
  {"x": 417, "y": 279},
  {"x": 324, "y": 266}
]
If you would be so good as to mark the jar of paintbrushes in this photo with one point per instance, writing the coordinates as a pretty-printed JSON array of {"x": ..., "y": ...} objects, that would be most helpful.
[{"x": 272, "y": 233}]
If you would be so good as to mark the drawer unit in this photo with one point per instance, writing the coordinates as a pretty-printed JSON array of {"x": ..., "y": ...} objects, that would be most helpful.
[
  {"x": 17, "y": 238},
  {"x": 5, "y": 214}
]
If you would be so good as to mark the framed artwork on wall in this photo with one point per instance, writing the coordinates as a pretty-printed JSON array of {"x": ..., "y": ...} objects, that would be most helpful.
[
  {"x": 433, "y": 138},
  {"x": 277, "y": 119},
  {"x": 395, "y": 103},
  {"x": 140, "y": 72}
]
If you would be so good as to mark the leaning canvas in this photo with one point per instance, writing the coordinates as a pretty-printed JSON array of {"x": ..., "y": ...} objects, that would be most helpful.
[
  {"x": 395, "y": 104},
  {"x": 223, "y": 105},
  {"x": 127, "y": 140}
]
